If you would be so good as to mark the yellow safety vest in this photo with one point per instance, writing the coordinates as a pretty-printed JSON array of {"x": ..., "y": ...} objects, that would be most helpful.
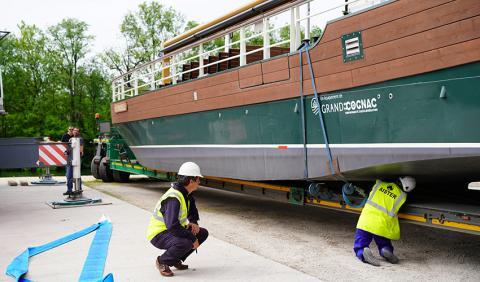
[
  {"x": 380, "y": 214},
  {"x": 157, "y": 224}
]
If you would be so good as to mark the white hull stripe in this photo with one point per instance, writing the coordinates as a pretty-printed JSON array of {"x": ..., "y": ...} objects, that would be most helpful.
[{"x": 286, "y": 146}]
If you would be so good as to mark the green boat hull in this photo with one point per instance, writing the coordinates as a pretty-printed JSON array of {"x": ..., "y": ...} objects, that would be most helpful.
[{"x": 424, "y": 125}]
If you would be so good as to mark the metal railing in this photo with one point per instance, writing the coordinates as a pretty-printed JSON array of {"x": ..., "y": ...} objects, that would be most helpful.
[{"x": 167, "y": 70}]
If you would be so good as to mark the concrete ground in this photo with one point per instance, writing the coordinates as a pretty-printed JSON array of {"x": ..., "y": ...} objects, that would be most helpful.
[
  {"x": 26, "y": 221},
  {"x": 314, "y": 240}
]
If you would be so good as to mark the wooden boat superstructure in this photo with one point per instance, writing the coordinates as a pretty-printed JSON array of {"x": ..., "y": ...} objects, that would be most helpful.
[{"x": 397, "y": 83}]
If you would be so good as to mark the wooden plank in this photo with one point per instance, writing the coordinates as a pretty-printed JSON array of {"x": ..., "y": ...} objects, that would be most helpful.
[
  {"x": 276, "y": 76},
  {"x": 249, "y": 71},
  {"x": 401, "y": 27},
  {"x": 423, "y": 21},
  {"x": 275, "y": 70},
  {"x": 251, "y": 81},
  {"x": 378, "y": 16},
  {"x": 275, "y": 65},
  {"x": 250, "y": 76},
  {"x": 440, "y": 37},
  {"x": 258, "y": 95},
  {"x": 449, "y": 56},
  {"x": 209, "y": 81},
  {"x": 180, "y": 98}
]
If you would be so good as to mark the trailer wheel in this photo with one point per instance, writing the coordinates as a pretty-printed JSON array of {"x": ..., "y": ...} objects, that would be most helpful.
[
  {"x": 104, "y": 170},
  {"x": 94, "y": 169},
  {"x": 121, "y": 176}
]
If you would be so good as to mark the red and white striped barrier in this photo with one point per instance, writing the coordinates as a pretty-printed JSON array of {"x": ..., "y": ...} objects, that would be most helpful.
[{"x": 52, "y": 154}]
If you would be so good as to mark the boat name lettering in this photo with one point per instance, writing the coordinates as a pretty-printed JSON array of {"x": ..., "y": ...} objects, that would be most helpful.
[{"x": 348, "y": 107}]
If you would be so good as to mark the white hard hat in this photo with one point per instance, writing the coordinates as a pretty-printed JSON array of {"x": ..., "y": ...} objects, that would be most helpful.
[
  {"x": 408, "y": 183},
  {"x": 189, "y": 169}
]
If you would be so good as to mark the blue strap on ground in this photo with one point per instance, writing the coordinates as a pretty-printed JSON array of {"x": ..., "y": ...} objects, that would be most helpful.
[
  {"x": 19, "y": 266},
  {"x": 97, "y": 255}
]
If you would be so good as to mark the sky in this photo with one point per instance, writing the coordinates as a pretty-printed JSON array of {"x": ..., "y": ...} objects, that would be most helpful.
[{"x": 103, "y": 16}]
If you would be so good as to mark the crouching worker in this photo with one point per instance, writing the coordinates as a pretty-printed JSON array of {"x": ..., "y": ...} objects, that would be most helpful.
[
  {"x": 173, "y": 226},
  {"x": 379, "y": 220}
]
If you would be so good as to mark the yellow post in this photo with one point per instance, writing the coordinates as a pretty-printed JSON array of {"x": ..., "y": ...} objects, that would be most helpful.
[{"x": 166, "y": 70}]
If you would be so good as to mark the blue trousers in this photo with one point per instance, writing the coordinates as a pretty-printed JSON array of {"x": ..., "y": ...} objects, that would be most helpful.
[
  {"x": 69, "y": 175},
  {"x": 364, "y": 238},
  {"x": 177, "y": 249}
]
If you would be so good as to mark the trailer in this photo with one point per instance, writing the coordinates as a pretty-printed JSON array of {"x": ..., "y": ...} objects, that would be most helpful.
[{"x": 115, "y": 161}]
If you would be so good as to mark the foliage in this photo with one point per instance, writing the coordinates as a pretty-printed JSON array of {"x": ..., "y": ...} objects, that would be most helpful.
[
  {"x": 314, "y": 32},
  {"x": 143, "y": 32},
  {"x": 48, "y": 82},
  {"x": 190, "y": 25}
]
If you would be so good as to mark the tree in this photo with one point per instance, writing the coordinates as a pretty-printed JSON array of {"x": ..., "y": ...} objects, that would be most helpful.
[
  {"x": 28, "y": 70},
  {"x": 69, "y": 42},
  {"x": 6, "y": 57},
  {"x": 95, "y": 84},
  {"x": 190, "y": 25},
  {"x": 143, "y": 31}
]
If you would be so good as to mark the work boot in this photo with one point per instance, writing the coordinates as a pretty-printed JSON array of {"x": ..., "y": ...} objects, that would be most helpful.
[
  {"x": 67, "y": 193},
  {"x": 369, "y": 257},
  {"x": 163, "y": 268},
  {"x": 389, "y": 256},
  {"x": 180, "y": 266}
]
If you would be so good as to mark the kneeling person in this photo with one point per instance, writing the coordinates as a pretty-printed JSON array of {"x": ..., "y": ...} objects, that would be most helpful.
[
  {"x": 173, "y": 226},
  {"x": 379, "y": 220}
]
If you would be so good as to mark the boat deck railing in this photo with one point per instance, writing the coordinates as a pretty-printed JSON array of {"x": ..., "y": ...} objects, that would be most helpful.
[{"x": 274, "y": 33}]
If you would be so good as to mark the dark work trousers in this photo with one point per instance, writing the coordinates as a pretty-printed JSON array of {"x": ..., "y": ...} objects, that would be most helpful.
[
  {"x": 69, "y": 175},
  {"x": 177, "y": 249},
  {"x": 364, "y": 238}
]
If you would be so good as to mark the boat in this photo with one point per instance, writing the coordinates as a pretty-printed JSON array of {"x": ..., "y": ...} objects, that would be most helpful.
[{"x": 395, "y": 92}]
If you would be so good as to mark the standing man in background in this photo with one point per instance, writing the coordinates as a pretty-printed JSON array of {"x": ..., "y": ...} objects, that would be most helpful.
[
  {"x": 68, "y": 168},
  {"x": 66, "y": 137},
  {"x": 174, "y": 223}
]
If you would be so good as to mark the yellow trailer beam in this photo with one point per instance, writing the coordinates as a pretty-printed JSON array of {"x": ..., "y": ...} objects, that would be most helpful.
[{"x": 414, "y": 218}]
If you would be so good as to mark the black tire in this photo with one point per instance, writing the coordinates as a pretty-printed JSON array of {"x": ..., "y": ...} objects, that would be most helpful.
[
  {"x": 121, "y": 176},
  {"x": 104, "y": 170},
  {"x": 94, "y": 169}
]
